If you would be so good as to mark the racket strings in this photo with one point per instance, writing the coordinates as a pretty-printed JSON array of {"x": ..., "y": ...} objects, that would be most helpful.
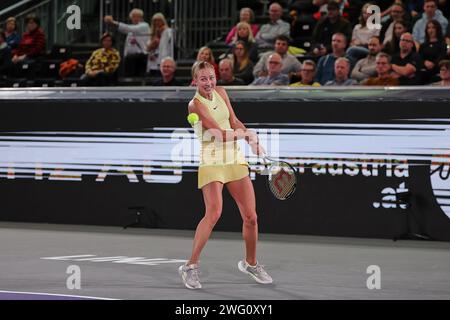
[
  {"x": 284, "y": 191},
  {"x": 280, "y": 186}
]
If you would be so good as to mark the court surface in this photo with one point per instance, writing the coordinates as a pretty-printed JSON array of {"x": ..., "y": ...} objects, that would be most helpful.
[{"x": 142, "y": 264}]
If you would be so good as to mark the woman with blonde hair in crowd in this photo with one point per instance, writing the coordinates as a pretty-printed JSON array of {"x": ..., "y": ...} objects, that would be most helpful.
[
  {"x": 11, "y": 33},
  {"x": 244, "y": 33},
  {"x": 205, "y": 54},
  {"x": 246, "y": 15},
  {"x": 160, "y": 44}
]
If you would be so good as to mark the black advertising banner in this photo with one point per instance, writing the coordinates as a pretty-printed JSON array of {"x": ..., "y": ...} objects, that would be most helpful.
[{"x": 366, "y": 168}]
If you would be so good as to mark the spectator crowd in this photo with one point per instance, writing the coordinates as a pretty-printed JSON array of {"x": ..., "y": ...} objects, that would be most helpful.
[{"x": 303, "y": 43}]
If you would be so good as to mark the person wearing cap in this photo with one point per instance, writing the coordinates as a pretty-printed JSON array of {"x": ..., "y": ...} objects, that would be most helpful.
[{"x": 331, "y": 24}]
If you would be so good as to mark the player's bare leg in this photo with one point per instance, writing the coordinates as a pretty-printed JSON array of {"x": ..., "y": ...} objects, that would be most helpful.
[
  {"x": 212, "y": 194},
  {"x": 244, "y": 195}
]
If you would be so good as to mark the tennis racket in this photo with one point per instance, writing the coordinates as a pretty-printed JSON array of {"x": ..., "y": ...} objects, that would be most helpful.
[{"x": 281, "y": 177}]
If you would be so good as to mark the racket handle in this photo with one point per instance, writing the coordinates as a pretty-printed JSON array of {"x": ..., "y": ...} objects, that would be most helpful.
[{"x": 265, "y": 171}]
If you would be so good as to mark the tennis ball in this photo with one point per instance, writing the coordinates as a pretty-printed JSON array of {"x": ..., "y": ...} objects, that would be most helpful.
[{"x": 192, "y": 118}]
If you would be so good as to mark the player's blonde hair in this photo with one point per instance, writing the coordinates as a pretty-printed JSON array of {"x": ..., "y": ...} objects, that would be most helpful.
[{"x": 200, "y": 65}]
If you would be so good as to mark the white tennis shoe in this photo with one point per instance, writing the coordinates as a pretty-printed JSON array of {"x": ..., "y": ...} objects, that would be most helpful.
[
  {"x": 256, "y": 272},
  {"x": 189, "y": 275}
]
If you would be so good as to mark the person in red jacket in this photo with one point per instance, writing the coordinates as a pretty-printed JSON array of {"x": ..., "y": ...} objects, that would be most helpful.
[{"x": 32, "y": 44}]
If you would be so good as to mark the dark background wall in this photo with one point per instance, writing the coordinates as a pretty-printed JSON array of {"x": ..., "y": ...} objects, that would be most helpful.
[{"x": 322, "y": 205}]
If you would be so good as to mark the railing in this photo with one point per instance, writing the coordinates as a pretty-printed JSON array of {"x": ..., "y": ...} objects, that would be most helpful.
[
  {"x": 89, "y": 25},
  {"x": 43, "y": 10},
  {"x": 53, "y": 16},
  {"x": 195, "y": 22},
  {"x": 201, "y": 21},
  {"x": 120, "y": 9}
]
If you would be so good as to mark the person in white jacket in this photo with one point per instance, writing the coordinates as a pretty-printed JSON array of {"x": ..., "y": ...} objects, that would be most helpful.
[
  {"x": 138, "y": 34},
  {"x": 160, "y": 45}
]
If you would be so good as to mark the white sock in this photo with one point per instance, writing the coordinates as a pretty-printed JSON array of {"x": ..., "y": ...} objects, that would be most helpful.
[{"x": 251, "y": 265}]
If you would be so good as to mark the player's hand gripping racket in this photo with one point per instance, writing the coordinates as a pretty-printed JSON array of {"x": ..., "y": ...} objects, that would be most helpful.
[{"x": 281, "y": 177}]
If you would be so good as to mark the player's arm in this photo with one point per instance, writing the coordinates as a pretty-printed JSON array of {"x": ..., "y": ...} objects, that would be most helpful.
[
  {"x": 249, "y": 135},
  {"x": 210, "y": 124}
]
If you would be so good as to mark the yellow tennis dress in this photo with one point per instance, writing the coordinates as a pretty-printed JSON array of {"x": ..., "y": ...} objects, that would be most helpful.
[{"x": 220, "y": 161}]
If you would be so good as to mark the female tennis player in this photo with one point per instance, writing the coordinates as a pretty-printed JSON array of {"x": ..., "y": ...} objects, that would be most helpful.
[{"x": 222, "y": 163}]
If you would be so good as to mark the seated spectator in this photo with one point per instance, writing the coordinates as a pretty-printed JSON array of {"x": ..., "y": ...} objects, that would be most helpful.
[
  {"x": 244, "y": 34},
  {"x": 444, "y": 73},
  {"x": 384, "y": 72},
  {"x": 168, "y": 67},
  {"x": 205, "y": 54},
  {"x": 12, "y": 36},
  {"x": 32, "y": 44},
  {"x": 432, "y": 50},
  {"x": 307, "y": 75},
  {"x": 100, "y": 69},
  {"x": 341, "y": 71},
  {"x": 431, "y": 12},
  {"x": 397, "y": 12},
  {"x": 135, "y": 53},
  {"x": 331, "y": 24},
  {"x": 361, "y": 35},
  {"x": 160, "y": 45},
  {"x": 274, "y": 76},
  {"x": 246, "y": 15},
  {"x": 291, "y": 66},
  {"x": 365, "y": 68},
  {"x": 243, "y": 66},
  {"x": 325, "y": 65},
  {"x": 392, "y": 47},
  {"x": 407, "y": 63},
  {"x": 270, "y": 31},
  {"x": 5, "y": 55},
  {"x": 227, "y": 77}
]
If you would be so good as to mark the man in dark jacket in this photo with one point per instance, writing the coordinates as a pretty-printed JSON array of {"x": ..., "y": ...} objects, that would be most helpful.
[{"x": 332, "y": 23}]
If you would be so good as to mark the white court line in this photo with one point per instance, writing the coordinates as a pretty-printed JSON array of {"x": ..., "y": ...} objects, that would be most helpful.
[{"x": 56, "y": 294}]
